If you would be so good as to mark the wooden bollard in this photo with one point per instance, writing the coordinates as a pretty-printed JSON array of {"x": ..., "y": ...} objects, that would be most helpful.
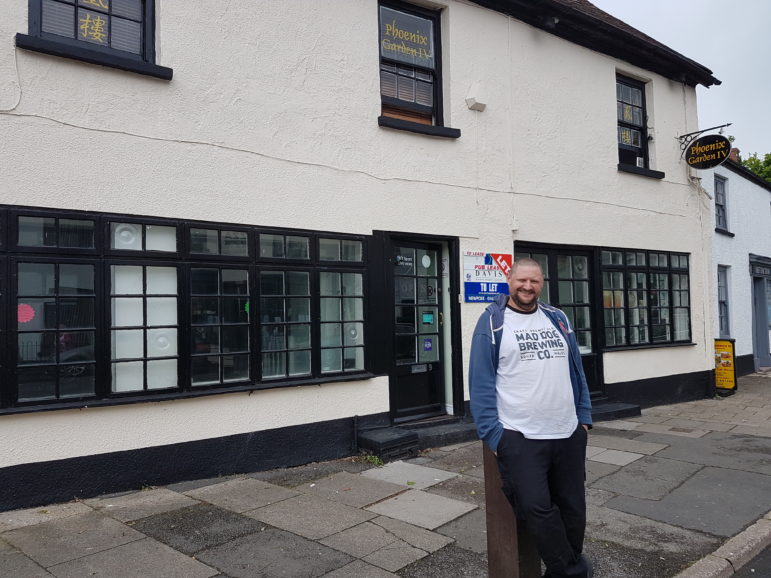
[{"x": 511, "y": 550}]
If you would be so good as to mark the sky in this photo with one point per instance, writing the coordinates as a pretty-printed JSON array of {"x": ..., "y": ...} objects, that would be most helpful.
[{"x": 733, "y": 40}]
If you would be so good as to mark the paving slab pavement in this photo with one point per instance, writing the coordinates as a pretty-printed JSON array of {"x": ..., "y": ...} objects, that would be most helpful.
[{"x": 688, "y": 497}]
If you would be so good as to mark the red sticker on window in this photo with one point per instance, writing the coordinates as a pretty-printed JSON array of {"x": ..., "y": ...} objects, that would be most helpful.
[{"x": 25, "y": 313}]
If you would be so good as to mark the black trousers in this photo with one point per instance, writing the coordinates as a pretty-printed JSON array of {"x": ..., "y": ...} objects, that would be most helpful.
[{"x": 544, "y": 482}]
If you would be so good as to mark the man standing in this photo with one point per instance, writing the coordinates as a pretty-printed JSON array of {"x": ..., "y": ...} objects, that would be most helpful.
[{"x": 531, "y": 406}]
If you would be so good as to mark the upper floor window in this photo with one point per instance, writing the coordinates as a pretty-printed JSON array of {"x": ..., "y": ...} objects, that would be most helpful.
[
  {"x": 721, "y": 216},
  {"x": 410, "y": 68},
  {"x": 722, "y": 300},
  {"x": 118, "y": 33},
  {"x": 632, "y": 119}
]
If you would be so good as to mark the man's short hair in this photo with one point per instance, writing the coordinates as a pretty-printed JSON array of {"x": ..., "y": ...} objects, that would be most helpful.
[{"x": 526, "y": 261}]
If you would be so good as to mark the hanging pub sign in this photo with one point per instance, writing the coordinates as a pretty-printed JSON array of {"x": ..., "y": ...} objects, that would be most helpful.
[
  {"x": 406, "y": 38},
  {"x": 708, "y": 151}
]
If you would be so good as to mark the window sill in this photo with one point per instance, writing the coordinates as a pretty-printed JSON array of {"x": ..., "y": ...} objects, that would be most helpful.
[
  {"x": 430, "y": 130},
  {"x": 640, "y": 171},
  {"x": 173, "y": 396},
  {"x": 647, "y": 346},
  {"x": 83, "y": 54},
  {"x": 725, "y": 232}
]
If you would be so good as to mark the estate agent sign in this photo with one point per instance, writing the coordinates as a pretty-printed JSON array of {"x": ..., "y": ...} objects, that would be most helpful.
[
  {"x": 708, "y": 151},
  {"x": 484, "y": 275}
]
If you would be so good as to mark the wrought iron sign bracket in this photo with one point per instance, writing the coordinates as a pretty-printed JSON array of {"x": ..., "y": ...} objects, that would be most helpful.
[{"x": 687, "y": 139}]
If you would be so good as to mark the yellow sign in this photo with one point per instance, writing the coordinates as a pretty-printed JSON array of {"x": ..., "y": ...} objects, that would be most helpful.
[{"x": 725, "y": 366}]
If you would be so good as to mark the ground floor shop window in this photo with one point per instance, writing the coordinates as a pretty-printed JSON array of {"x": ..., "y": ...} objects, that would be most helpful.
[
  {"x": 104, "y": 307},
  {"x": 645, "y": 297}
]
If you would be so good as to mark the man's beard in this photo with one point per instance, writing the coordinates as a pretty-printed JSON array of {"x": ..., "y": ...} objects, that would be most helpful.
[{"x": 522, "y": 305}]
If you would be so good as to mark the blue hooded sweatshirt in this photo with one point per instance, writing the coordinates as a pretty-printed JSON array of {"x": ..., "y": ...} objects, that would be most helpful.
[{"x": 483, "y": 368}]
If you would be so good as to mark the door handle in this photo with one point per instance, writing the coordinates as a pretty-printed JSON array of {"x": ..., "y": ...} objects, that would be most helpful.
[{"x": 441, "y": 318}]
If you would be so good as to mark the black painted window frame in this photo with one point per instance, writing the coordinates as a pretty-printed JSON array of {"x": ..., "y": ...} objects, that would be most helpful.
[
  {"x": 674, "y": 295},
  {"x": 144, "y": 63},
  {"x": 104, "y": 257},
  {"x": 721, "y": 203},
  {"x": 723, "y": 308},
  {"x": 437, "y": 128},
  {"x": 642, "y": 128}
]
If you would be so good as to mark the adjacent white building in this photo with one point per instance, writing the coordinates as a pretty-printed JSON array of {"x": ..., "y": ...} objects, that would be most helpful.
[
  {"x": 742, "y": 262},
  {"x": 230, "y": 237}
]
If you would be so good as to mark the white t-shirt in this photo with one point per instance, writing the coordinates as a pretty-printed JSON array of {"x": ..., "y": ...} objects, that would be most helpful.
[{"x": 535, "y": 396}]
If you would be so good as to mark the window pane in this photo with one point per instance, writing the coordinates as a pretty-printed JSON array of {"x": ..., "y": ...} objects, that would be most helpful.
[
  {"x": 161, "y": 342},
  {"x": 37, "y": 383},
  {"x": 329, "y": 283},
  {"x": 331, "y": 360},
  {"x": 76, "y": 279},
  {"x": 330, "y": 309},
  {"x": 297, "y": 247},
  {"x": 299, "y": 336},
  {"x": 564, "y": 267},
  {"x": 74, "y": 233},
  {"x": 353, "y": 358},
  {"x": 76, "y": 312},
  {"x": 273, "y": 337},
  {"x": 127, "y": 312},
  {"x": 298, "y": 310},
  {"x": 424, "y": 93},
  {"x": 206, "y": 340},
  {"x": 235, "y": 282},
  {"x": 329, "y": 249},
  {"x": 331, "y": 334},
  {"x": 161, "y": 311},
  {"x": 353, "y": 334},
  {"x": 272, "y": 310},
  {"x": 126, "y": 236},
  {"x": 297, "y": 283},
  {"x": 235, "y": 310},
  {"x": 272, "y": 283},
  {"x": 37, "y": 232},
  {"x": 352, "y": 284},
  {"x": 126, "y": 35},
  {"x": 271, "y": 246},
  {"x": 36, "y": 348},
  {"x": 159, "y": 238},
  {"x": 235, "y": 339},
  {"x": 127, "y": 344},
  {"x": 76, "y": 380},
  {"x": 387, "y": 84},
  {"x": 404, "y": 261},
  {"x": 427, "y": 291},
  {"x": 566, "y": 292},
  {"x": 93, "y": 27},
  {"x": 426, "y": 262},
  {"x": 204, "y": 282},
  {"x": 128, "y": 9},
  {"x": 273, "y": 365},
  {"x": 351, "y": 250},
  {"x": 58, "y": 18},
  {"x": 36, "y": 278},
  {"x": 162, "y": 374},
  {"x": 406, "y": 88},
  {"x": 126, "y": 280},
  {"x": 299, "y": 362},
  {"x": 204, "y": 241},
  {"x": 353, "y": 309},
  {"x": 162, "y": 280},
  {"x": 580, "y": 268},
  {"x": 235, "y": 368},
  {"x": 405, "y": 350},
  {"x": 235, "y": 243},
  {"x": 127, "y": 376},
  {"x": 206, "y": 370}
]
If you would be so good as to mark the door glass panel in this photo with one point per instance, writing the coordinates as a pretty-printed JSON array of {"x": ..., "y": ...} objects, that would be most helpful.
[
  {"x": 426, "y": 262},
  {"x": 404, "y": 261},
  {"x": 429, "y": 348},
  {"x": 428, "y": 320},
  {"x": 581, "y": 291},
  {"x": 564, "y": 267},
  {"x": 427, "y": 290},
  {"x": 405, "y": 349},
  {"x": 404, "y": 290},
  {"x": 566, "y": 292},
  {"x": 405, "y": 319},
  {"x": 580, "y": 268}
]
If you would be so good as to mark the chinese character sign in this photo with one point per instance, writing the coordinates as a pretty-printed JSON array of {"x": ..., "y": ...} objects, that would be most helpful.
[{"x": 484, "y": 275}]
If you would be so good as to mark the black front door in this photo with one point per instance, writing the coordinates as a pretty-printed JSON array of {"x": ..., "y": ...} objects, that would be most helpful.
[
  {"x": 417, "y": 378},
  {"x": 569, "y": 285}
]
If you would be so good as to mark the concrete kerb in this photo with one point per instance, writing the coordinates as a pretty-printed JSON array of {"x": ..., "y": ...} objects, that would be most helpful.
[{"x": 734, "y": 554}]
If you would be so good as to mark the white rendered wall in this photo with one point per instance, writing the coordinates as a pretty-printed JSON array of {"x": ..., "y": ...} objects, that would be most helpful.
[
  {"x": 271, "y": 119},
  {"x": 748, "y": 211}
]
